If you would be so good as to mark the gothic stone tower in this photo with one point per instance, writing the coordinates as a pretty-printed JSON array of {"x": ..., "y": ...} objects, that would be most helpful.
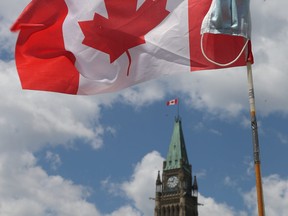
[{"x": 175, "y": 194}]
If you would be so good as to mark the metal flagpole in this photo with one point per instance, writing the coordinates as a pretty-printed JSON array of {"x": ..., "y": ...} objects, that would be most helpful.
[{"x": 255, "y": 140}]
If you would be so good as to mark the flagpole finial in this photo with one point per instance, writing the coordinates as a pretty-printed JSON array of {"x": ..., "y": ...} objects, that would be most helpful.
[
  {"x": 177, "y": 118},
  {"x": 178, "y": 104}
]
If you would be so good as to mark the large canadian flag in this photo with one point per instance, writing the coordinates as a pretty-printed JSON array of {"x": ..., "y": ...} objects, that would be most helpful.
[{"x": 98, "y": 46}]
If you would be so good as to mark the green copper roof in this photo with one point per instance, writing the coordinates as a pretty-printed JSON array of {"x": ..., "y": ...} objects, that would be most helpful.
[{"x": 177, "y": 149}]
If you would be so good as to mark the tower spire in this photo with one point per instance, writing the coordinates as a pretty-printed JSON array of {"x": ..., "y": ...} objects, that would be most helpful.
[{"x": 177, "y": 154}]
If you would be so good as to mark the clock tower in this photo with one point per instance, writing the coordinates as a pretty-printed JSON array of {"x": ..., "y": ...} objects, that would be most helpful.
[{"x": 177, "y": 192}]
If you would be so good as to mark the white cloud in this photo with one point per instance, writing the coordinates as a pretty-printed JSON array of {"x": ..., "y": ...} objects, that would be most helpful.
[
  {"x": 215, "y": 132},
  {"x": 27, "y": 190},
  {"x": 201, "y": 174},
  {"x": 228, "y": 181},
  {"x": 249, "y": 163},
  {"x": 11, "y": 9},
  {"x": 270, "y": 45},
  {"x": 112, "y": 187},
  {"x": 111, "y": 130},
  {"x": 139, "y": 189},
  {"x": 211, "y": 207},
  {"x": 143, "y": 94},
  {"x": 200, "y": 126},
  {"x": 282, "y": 137},
  {"x": 275, "y": 196},
  {"x": 141, "y": 185},
  {"x": 125, "y": 211},
  {"x": 35, "y": 119},
  {"x": 53, "y": 159}
]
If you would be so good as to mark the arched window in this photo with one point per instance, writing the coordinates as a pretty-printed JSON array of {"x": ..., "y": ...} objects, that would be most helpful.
[
  {"x": 177, "y": 210},
  {"x": 163, "y": 211},
  {"x": 168, "y": 211},
  {"x": 172, "y": 211}
]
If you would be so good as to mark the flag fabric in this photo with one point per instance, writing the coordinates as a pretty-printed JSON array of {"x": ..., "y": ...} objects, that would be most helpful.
[
  {"x": 99, "y": 46},
  {"x": 172, "y": 102}
]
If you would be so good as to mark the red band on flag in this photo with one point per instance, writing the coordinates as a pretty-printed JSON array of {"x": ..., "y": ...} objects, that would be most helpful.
[{"x": 41, "y": 58}]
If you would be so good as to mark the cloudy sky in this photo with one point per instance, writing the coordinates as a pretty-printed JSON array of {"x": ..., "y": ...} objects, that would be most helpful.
[{"x": 99, "y": 155}]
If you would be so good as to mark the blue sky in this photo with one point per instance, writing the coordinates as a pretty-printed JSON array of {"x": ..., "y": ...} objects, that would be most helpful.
[{"x": 99, "y": 155}]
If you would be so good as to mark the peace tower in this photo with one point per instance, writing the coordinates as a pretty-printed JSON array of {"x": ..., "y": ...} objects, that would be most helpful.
[{"x": 175, "y": 193}]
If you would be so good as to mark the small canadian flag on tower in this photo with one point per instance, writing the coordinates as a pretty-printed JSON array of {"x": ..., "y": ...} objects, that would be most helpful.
[{"x": 172, "y": 102}]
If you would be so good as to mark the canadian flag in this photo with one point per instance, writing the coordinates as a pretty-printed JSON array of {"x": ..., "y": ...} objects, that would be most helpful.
[
  {"x": 172, "y": 102},
  {"x": 90, "y": 47}
]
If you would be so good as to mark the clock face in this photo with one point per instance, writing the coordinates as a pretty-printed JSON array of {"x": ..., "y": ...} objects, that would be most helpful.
[{"x": 172, "y": 181}]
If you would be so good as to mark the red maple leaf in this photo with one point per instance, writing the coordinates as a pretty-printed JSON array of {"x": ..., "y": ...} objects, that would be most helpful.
[{"x": 125, "y": 27}]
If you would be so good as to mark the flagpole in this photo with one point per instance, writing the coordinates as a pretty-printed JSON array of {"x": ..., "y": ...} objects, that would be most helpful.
[
  {"x": 178, "y": 104},
  {"x": 255, "y": 140}
]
